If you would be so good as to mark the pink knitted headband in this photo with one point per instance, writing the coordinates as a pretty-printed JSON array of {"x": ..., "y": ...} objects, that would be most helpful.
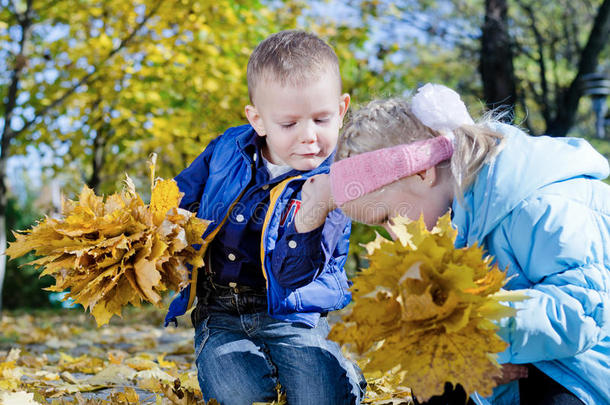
[
  {"x": 437, "y": 107},
  {"x": 356, "y": 176}
]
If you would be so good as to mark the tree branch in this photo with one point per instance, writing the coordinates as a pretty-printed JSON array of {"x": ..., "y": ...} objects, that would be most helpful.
[
  {"x": 523, "y": 51},
  {"x": 11, "y": 99},
  {"x": 598, "y": 39},
  {"x": 521, "y": 100},
  {"x": 87, "y": 79},
  {"x": 541, "y": 62}
]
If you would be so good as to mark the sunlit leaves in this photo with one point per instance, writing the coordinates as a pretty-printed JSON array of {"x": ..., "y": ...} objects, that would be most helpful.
[
  {"x": 425, "y": 310},
  {"x": 132, "y": 354},
  {"x": 17, "y": 398},
  {"x": 155, "y": 76},
  {"x": 111, "y": 252},
  {"x": 103, "y": 374}
]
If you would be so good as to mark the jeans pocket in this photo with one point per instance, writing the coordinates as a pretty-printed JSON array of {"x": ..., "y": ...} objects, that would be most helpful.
[{"x": 202, "y": 333}]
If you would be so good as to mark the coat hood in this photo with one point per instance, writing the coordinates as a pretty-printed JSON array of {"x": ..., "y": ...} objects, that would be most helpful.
[{"x": 524, "y": 165}]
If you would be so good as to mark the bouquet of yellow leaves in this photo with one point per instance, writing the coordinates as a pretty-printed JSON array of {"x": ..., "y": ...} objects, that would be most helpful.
[
  {"x": 424, "y": 311},
  {"x": 108, "y": 253}
]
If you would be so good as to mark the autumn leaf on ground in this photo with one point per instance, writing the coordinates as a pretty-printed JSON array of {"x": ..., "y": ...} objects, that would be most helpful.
[
  {"x": 427, "y": 309},
  {"x": 387, "y": 390},
  {"x": 180, "y": 396},
  {"x": 17, "y": 398},
  {"x": 107, "y": 253}
]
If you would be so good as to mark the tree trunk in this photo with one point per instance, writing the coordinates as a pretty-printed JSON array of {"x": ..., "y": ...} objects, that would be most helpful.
[
  {"x": 97, "y": 163},
  {"x": 5, "y": 137},
  {"x": 567, "y": 103},
  {"x": 496, "y": 63},
  {"x": 25, "y": 22},
  {"x": 2, "y": 255}
]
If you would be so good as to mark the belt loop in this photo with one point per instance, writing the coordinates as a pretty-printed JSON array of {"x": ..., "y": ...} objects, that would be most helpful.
[{"x": 234, "y": 288}]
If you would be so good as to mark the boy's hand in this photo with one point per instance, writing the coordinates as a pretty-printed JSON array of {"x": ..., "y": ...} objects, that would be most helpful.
[{"x": 316, "y": 203}]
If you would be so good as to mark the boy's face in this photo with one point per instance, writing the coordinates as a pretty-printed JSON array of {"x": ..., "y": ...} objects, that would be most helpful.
[{"x": 301, "y": 122}]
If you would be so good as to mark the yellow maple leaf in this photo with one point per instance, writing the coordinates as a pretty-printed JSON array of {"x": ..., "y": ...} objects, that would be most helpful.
[
  {"x": 423, "y": 311},
  {"x": 108, "y": 253},
  {"x": 165, "y": 196},
  {"x": 165, "y": 363},
  {"x": 129, "y": 396},
  {"x": 18, "y": 398},
  {"x": 140, "y": 363}
]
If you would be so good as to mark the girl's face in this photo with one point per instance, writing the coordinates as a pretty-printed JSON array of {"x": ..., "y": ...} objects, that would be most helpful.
[{"x": 424, "y": 194}]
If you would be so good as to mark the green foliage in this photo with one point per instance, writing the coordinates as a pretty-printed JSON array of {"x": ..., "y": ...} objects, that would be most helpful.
[
  {"x": 22, "y": 287},
  {"x": 361, "y": 235},
  {"x": 105, "y": 83}
]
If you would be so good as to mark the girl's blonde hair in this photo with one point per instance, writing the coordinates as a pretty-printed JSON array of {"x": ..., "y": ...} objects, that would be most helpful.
[{"x": 390, "y": 122}]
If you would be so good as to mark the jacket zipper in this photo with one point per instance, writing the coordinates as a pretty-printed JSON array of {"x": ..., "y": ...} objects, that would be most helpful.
[
  {"x": 274, "y": 195},
  {"x": 207, "y": 241}
]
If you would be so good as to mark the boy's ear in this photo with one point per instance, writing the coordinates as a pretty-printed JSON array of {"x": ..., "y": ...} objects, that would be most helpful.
[
  {"x": 344, "y": 101},
  {"x": 255, "y": 120}
]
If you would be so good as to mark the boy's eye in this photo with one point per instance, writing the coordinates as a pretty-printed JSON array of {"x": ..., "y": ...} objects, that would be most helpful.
[
  {"x": 287, "y": 125},
  {"x": 321, "y": 120}
]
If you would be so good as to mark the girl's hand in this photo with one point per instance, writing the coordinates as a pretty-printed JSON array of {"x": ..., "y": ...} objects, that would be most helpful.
[
  {"x": 511, "y": 372},
  {"x": 316, "y": 203}
]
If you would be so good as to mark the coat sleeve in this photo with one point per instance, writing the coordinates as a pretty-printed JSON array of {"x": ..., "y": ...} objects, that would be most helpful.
[
  {"x": 299, "y": 257},
  {"x": 560, "y": 246},
  {"x": 191, "y": 180}
]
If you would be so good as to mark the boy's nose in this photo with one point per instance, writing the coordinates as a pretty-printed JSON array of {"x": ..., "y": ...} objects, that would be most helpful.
[{"x": 309, "y": 134}]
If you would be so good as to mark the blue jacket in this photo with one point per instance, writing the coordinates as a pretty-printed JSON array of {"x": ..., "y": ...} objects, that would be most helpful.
[
  {"x": 214, "y": 183},
  {"x": 541, "y": 210}
]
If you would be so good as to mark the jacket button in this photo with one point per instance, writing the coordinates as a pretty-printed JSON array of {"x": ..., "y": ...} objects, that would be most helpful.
[
  {"x": 265, "y": 187},
  {"x": 292, "y": 244},
  {"x": 231, "y": 257},
  {"x": 239, "y": 218}
]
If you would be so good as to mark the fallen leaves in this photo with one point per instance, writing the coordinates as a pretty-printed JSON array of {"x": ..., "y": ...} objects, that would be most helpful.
[
  {"x": 125, "y": 364},
  {"x": 424, "y": 311},
  {"x": 17, "y": 398},
  {"x": 180, "y": 396},
  {"x": 108, "y": 253}
]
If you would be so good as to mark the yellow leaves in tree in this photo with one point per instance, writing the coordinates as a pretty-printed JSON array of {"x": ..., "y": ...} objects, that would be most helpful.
[
  {"x": 110, "y": 252},
  {"x": 424, "y": 311}
]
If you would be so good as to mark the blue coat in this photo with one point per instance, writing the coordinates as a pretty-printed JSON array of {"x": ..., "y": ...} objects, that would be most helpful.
[
  {"x": 214, "y": 183},
  {"x": 541, "y": 210}
]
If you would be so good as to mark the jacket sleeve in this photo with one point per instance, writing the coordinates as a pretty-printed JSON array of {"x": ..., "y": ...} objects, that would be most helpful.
[
  {"x": 192, "y": 179},
  {"x": 299, "y": 257},
  {"x": 560, "y": 248},
  {"x": 191, "y": 182}
]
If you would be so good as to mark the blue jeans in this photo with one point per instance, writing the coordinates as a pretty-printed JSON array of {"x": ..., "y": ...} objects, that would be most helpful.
[{"x": 242, "y": 354}]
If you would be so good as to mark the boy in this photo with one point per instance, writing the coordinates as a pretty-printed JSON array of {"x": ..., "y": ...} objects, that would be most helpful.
[{"x": 271, "y": 273}]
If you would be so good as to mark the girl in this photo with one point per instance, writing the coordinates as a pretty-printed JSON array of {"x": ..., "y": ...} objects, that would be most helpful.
[{"x": 537, "y": 204}]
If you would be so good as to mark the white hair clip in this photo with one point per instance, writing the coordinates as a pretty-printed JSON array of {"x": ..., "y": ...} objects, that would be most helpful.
[{"x": 440, "y": 108}]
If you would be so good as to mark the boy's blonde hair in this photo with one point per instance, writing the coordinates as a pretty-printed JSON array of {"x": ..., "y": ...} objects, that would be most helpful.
[
  {"x": 390, "y": 122},
  {"x": 290, "y": 57}
]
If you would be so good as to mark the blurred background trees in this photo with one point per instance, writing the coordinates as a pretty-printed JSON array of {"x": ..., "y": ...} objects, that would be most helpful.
[{"x": 91, "y": 88}]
